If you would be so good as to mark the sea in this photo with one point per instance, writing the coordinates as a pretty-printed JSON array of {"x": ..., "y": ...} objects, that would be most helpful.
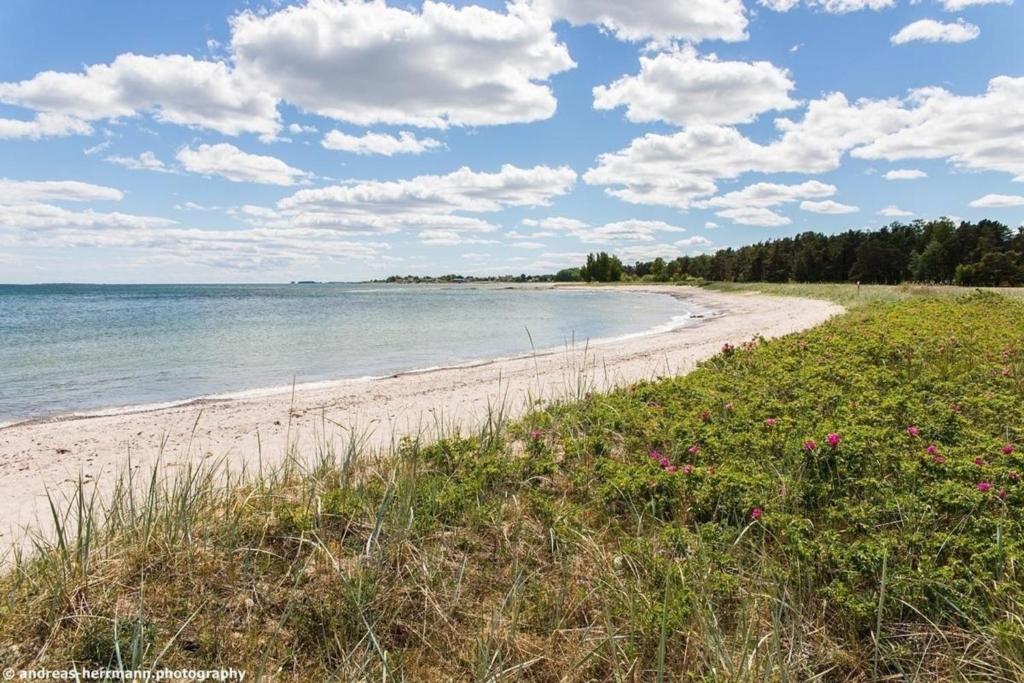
[{"x": 92, "y": 349}]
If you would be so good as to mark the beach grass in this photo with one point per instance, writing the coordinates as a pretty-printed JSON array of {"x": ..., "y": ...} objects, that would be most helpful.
[
  {"x": 838, "y": 504},
  {"x": 849, "y": 294}
]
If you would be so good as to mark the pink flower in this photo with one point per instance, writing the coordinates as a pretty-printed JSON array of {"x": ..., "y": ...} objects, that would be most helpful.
[
  {"x": 833, "y": 440},
  {"x": 728, "y": 407},
  {"x": 932, "y": 449},
  {"x": 913, "y": 431},
  {"x": 664, "y": 462},
  {"x": 980, "y": 462},
  {"x": 671, "y": 469},
  {"x": 728, "y": 348},
  {"x": 687, "y": 468},
  {"x": 1008, "y": 449},
  {"x": 655, "y": 455},
  {"x": 810, "y": 445},
  {"x": 938, "y": 459},
  {"x": 536, "y": 434},
  {"x": 984, "y": 486},
  {"x": 1001, "y": 494},
  {"x": 756, "y": 514},
  {"x": 694, "y": 449},
  {"x": 705, "y": 416},
  {"x": 770, "y": 422}
]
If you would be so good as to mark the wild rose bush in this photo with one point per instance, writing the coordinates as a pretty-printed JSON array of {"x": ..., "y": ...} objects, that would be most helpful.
[{"x": 883, "y": 439}]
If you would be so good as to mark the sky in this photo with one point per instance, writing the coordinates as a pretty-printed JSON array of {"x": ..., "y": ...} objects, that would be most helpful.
[{"x": 217, "y": 141}]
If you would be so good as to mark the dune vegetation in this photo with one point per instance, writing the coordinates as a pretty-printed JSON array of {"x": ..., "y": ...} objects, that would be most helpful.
[{"x": 839, "y": 504}]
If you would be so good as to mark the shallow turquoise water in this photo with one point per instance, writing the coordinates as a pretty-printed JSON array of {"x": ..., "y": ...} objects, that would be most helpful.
[{"x": 75, "y": 348}]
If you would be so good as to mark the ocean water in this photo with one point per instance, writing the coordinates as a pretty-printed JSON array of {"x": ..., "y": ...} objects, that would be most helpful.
[{"x": 84, "y": 348}]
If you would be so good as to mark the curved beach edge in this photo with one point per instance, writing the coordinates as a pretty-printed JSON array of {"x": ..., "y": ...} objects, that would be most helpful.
[{"x": 248, "y": 431}]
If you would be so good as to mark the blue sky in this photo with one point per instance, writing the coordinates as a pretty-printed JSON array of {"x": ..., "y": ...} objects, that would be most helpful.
[{"x": 234, "y": 142}]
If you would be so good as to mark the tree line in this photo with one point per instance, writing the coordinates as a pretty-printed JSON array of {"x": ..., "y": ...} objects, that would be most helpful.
[{"x": 986, "y": 253}]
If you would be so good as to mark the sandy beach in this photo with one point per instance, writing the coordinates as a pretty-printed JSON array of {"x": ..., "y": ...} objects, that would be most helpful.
[{"x": 52, "y": 454}]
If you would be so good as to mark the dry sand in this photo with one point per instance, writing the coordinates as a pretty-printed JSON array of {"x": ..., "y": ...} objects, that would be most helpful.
[{"x": 51, "y": 455}]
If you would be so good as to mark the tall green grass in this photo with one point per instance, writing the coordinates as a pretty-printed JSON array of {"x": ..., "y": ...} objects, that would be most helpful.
[{"x": 557, "y": 548}]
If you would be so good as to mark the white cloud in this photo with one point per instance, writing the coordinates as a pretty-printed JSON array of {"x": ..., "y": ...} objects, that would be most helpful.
[
  {"x": 769, "y": 194},
  {"x": 972, "y": 132},
  {"x": 36, "y": 217},
  {"x": 905, "y": 174},
  {"x": 298, "y": 129},
  {"x": 894, "y": 211},
  {"x": 374, "y": 63},
  {"x": 44, "y": 125},
  {"x": 830, "y": 6},
  {"x": 146, "y": 161},
  {"x": 175, "y": 89},
  {"x": 711, "y": 225},
  {"x": 557, "y": 223},
  {"x": 241, "y": 167},
  {"x": 683, "y": 88},
  {"x": 828, "y": 207},
  {"x": 21, "y": 191},
  {"x": 752, "y": 204},
  {"x": 630, "y": 230},
  {"x": 695, "y": 241},
  {"x": 461, "y": 190},
  {"x": 978, "y": 133},
  {"x": 450, "y": 238},
  {"x": 998, "y": 201},
  {"x": 932, "y": 31},
  {"x": 754, "y": 216},
  {"x": 957, "y": 5},
  {"x": 379, "y": 143},
  {"x": 642, "y": 19}
]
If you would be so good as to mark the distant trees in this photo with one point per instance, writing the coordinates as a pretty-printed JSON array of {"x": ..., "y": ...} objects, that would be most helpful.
[
  {"x": 602, "y": 267},
  {"x": 940, "y": 251}
]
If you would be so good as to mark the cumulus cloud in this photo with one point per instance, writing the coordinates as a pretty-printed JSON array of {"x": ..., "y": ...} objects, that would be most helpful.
[
  {"x": 752, "y": 205},
  {"x": 644, "y": 19},
  {"x": 830, "y": 6},
  {"x": 972, "y": 132},
  {"x": 828, "y": 207},
  {"x": 677, "y": 169},
  {"x": 232, "y": 163},
  {"x": 20, "y": 191},
  {"x": 905, "y": 174},
  {"x": 175, "y": 89},
  {"x": 931, "y": 31},
  {"x": 893, "y": 211},
  {"x": 460, "y": 190},
  {"x": 146, "y": 161},
  {"x": 630, "y": 230},
  {"x": 978, "y": 133},
  {"x": 752, "y": 215},
  {"x": 379, "y": 143},
  {"x": 44, "y": 125},
  {"x": 683, "y": 88},
  {"x": 998, "y": 201},
  {"x": 957, "y": 5},
  {"x": 373, "y": 63}
]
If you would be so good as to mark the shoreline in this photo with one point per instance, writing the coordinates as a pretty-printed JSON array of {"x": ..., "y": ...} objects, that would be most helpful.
[
  {"x": 335, "y": 383},
  {"x": 51, "y": 455}
]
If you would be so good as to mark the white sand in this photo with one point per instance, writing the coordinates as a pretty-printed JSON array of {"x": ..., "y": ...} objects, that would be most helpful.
[{"x": 52, "y": 454}]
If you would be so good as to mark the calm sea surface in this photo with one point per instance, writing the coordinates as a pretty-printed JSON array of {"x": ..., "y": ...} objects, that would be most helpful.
[{"x": 80, "y": 348}]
